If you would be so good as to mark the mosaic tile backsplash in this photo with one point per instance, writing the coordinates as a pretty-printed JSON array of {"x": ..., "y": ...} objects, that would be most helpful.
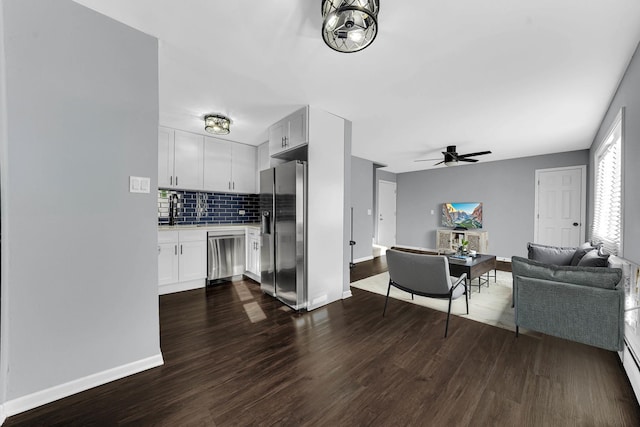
[{"x": 200, "y": 207}]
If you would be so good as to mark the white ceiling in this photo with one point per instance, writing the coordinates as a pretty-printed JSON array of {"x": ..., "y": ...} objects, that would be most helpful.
[{"x": 519, "y": 78}]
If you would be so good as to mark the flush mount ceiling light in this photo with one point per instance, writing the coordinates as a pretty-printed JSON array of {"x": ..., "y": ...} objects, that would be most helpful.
[
  {"x": 349, "y": 25},
  {"x": 217, "y": 124}
]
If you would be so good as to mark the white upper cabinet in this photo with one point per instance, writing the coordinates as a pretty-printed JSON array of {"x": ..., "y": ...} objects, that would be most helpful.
[
  {"x": 217, "y": 164},
  {"x": 297, "y": 129},
  {"x": 165, "y": 157},
  {"x": 189, "y": 161},
  {"x": 243, "y": 168},
  {"x": 229, "y": 166},
  {"x": 264, "y": 161},
  {"x": 289, "y": 132}
]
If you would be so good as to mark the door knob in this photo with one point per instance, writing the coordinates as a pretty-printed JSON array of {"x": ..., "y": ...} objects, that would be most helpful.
[{"x": 575, "y": 224}]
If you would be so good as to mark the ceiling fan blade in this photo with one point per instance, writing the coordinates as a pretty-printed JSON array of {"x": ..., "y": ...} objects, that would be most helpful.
[
  {"x": 479, "y": 153},
  {"x": 425, "y": 160},
  {"x": 467, "y": 160}
]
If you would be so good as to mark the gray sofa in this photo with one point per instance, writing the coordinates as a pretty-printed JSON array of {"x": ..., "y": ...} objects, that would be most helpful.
[{"x": 578, "y": 303}]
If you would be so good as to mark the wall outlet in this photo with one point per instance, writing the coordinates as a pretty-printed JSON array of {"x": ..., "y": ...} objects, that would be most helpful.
[
  {"x": 369, "y": 212},
  {"x": 241, "y": 212},
  {"x": 433, "y": 212}
]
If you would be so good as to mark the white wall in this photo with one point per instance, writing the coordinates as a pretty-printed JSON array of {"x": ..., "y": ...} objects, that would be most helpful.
[
  {"x": 79, "y": 256},
  {"x": 328, "y": 169}
]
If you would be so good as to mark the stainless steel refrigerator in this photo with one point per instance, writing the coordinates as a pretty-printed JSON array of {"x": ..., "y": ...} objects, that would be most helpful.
[{"x": 283, "y": 206}]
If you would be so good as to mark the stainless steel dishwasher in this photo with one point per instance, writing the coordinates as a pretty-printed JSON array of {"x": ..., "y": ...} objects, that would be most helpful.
[{"x": 225, "y": 254}]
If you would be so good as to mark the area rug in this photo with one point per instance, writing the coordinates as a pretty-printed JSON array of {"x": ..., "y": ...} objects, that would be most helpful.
[{"x": 491, "y": 304}]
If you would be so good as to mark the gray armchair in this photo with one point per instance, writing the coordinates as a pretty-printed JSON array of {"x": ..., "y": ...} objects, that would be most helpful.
[
  {"x": 583, "y": 304},
  {"x": 424, "y": 275}
]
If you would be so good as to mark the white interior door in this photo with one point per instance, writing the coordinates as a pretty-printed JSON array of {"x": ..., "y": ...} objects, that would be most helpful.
[
  {"x": 560, "y": 206},
  {"x": 386, "y": 213}
]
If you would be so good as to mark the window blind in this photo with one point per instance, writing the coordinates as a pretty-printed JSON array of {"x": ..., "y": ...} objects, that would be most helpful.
[{"x": 607, "y": 221}]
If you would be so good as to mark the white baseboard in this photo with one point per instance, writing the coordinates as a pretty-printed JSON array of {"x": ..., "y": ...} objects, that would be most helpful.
[
  {"x": 182, "y": 286},
  {"x": 367, "y": 258},
  {"x": 347, "y": 294},
  {"x": 3, "y": 416},
  {"x": 39, "y": 398}
]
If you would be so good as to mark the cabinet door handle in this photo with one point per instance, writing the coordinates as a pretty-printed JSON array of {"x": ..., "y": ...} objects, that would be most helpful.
[
  {"x": 171, "y": 180},
  {"x": 159, "y": 249},
  {"x": 233, "y": 185},
  {"x": 176, "y": 249},
  {"x": 180, "y": 249},
  {"x": 176, "y": 179},
  {"x": 229, "y": 184}
]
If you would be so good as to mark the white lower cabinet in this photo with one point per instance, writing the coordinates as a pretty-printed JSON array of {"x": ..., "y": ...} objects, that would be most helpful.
[
  {"x": 253, "y": 254},
  {"x": 168, "y": 262},
  {"x": 182, "y": 260}
]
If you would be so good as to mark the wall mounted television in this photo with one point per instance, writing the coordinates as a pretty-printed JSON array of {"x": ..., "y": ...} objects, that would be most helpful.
[{"x": 462, "y": 215}]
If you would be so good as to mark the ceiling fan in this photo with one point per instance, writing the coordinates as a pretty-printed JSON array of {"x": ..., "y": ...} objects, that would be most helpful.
[{"x": 451, "y": 157}]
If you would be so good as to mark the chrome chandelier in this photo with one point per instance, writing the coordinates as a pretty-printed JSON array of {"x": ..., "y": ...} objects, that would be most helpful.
[
  {"x": 349, "y": 25},
  {"x": 217, "y": 124}
]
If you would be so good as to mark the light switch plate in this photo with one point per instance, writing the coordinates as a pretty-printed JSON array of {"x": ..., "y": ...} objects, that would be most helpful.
[{"x": 139, "y": 184}]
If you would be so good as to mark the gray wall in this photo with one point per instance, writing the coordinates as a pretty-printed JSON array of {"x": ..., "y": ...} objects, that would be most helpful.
[
  {"x": 3, "y": 157},
  {"x": 348, "y": 175},
  {"x": 506, "y": 189},
  {"x": 79, "y": 256},
  {"x": 627, "y": 96},
  {"x": 362, "y": 202}
]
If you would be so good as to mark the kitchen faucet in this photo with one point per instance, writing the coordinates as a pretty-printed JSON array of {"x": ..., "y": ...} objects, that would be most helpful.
[{"x": 173, "y": 209}]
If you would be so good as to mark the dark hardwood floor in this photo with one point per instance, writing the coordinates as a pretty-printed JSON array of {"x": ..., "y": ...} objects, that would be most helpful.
[{"x": 234, "y": 356}]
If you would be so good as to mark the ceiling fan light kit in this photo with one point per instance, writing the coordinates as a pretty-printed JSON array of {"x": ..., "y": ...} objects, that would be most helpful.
[
  {"x": 217, "y": 124},
  {"x": 349, "y": 25}
]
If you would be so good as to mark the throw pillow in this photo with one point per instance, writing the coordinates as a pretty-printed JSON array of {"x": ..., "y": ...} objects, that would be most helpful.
[
  {"x": 580, "y": 252},
  {"x": 550, "y": 254},
  {"x": 594, "y": 259}
]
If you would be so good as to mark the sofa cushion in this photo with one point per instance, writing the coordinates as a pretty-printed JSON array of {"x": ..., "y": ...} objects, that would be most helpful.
[
  {"x": 594, "y": 259},
  {"x": 581, "y": 251},
  {"x": 550, "y": 254},
  {"x": 597, "y": 277}
]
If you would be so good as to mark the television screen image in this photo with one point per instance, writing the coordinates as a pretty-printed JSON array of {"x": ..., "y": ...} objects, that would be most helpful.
[{"x": 467, "y": 215}]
